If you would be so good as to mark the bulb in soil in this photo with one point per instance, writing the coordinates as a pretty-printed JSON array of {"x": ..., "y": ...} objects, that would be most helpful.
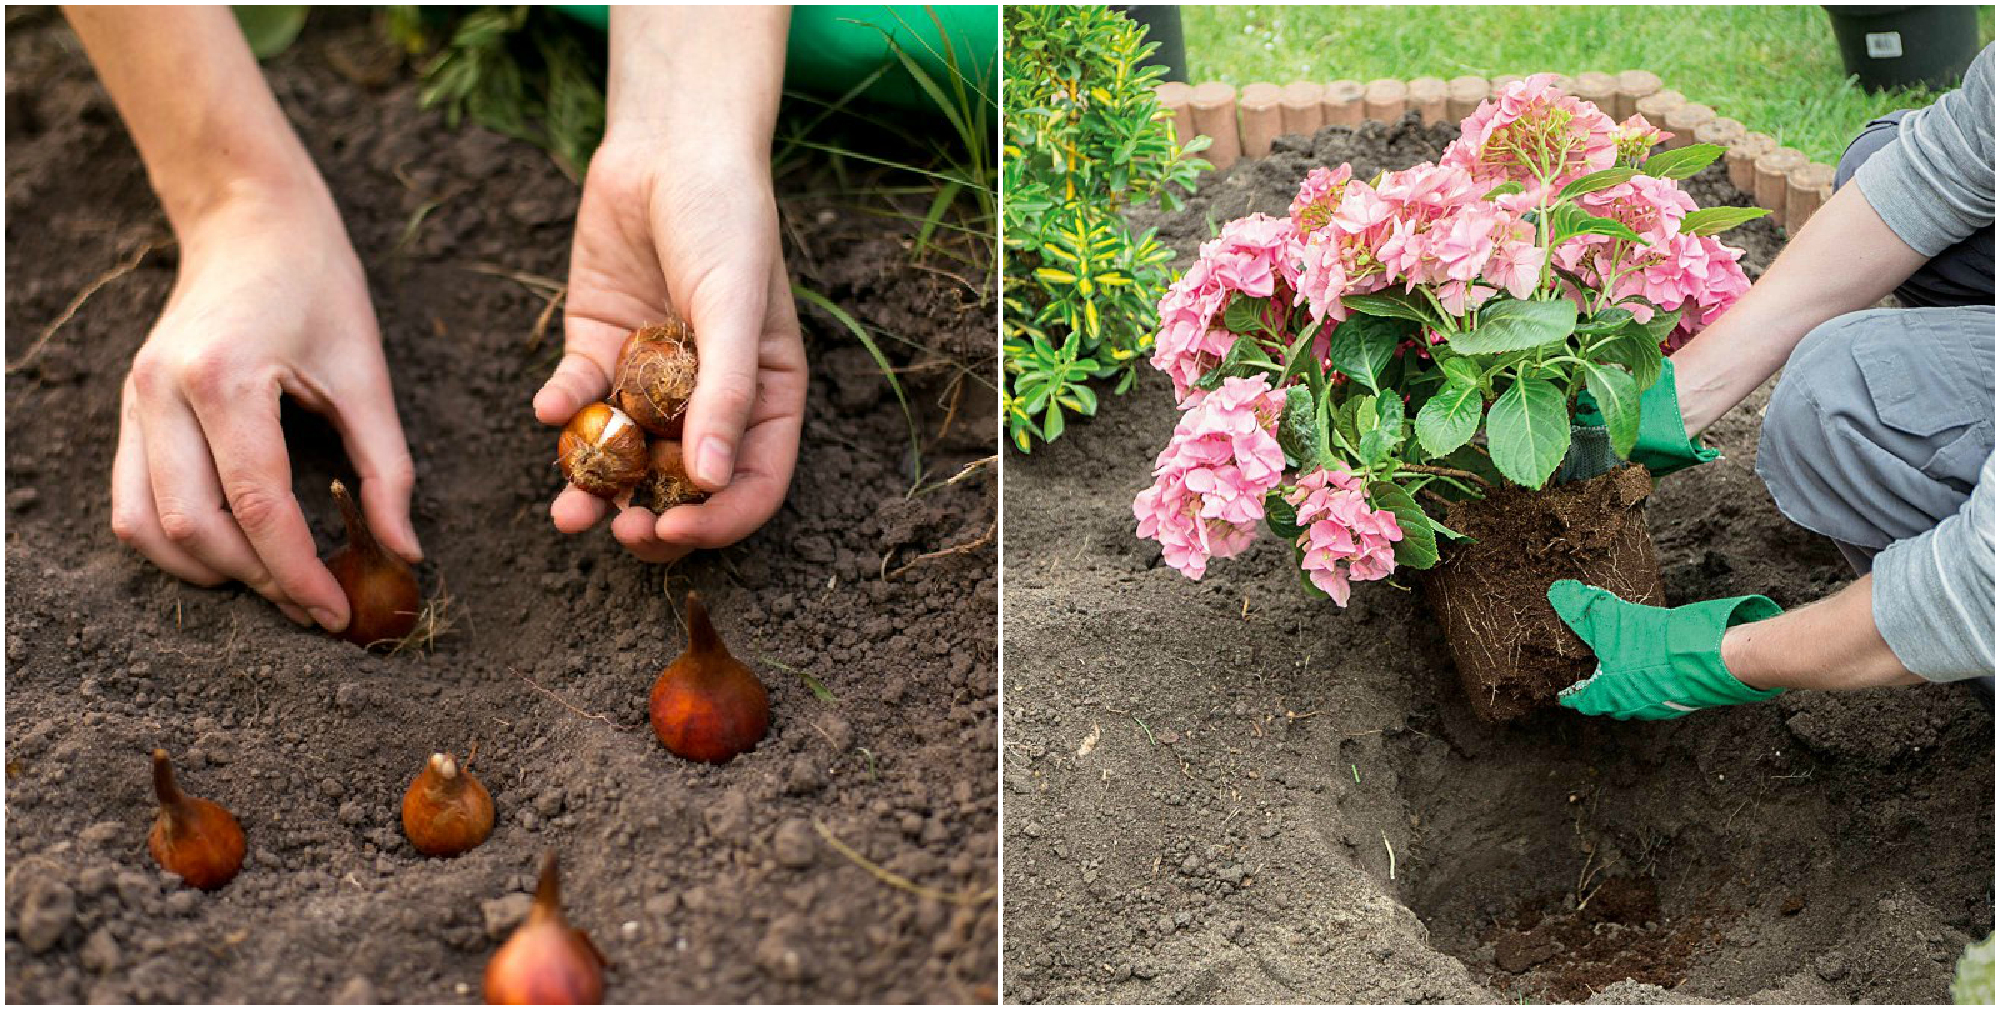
[
  {"x": 192, "y": 836},
  {"x": 707, "y": 705},
  {"x": 446, "y": 811},
  {"x": 666, "y": 483},
  {"x": 656, "y": 373},
  {"x": 546, "y": 961},
  {"x": 382, "y": 597},
  {"x": 602, "y": 451}
]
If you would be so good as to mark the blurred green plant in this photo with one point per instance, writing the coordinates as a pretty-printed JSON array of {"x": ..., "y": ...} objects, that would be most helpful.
[
  {"x": 1086, "y": 141},
  {"x": 1973, "y": 984}
]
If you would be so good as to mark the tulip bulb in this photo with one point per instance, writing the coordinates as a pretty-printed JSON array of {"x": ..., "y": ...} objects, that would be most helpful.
[
  {"x": 546, "y": 961},
  {"x": 667, "y": 483},
  {"x": 446, "y": 811},
  {"x": 382, "y": 597},
  {"x": 602, "y": 451},
  {"x": 656, "y": 375},
  {"x": 707, "y": 705},
  {"x": 192, "y": 836}
]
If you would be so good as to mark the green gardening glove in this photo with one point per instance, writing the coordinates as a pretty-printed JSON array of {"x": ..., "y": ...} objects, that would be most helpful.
[
  {"x": 1654, "y": 662},
  {"x": 1664, "y": 445}
]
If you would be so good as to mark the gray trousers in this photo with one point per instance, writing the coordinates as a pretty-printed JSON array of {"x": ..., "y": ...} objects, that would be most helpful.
[{"x": 1882, "y": 419}]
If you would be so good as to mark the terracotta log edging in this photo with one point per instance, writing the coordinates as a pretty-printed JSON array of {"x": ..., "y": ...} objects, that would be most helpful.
[
  {"x": 1599, "y": 89},
  {"x": 1214, "y": 111},
  {"x": 1177, "y": 100},
  {"x": 1656, "y": 106},
  {"x": 1632, "y": 86},
  {"x": 1806, "y": 188},
  {"x": 1341, "y": 103},
  {"x": 1429, "y": 96},
  {"x": 1773, "y": 170},
  {"x": 1385, "y": 100},
  {"x": 1463, "y": 96},
  {"x": 1494, "y": 86},
  {"x": 1684, "y": 120},
  {"x": 1720, "y": 131},
  {"x": 1259, "y": 120},
  {"x": 1742, "y": 159},
  {"x": 1299, "y": 105}
]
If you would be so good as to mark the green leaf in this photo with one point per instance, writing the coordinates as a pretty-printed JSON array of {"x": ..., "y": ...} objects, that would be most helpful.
[
  {"x": 1418, "y": 548},
  {"x": 1569, "y": 220},
  {"x": 1716, "y": 220},
  {"x": 1386, "y": 436},
  {"x": 1682, "y": 162},
  {"x": 1604, "y": 179},
  {"x": 1617, "y": 397},
  {"x": 1508, "y": 188},
  {"x": 1511, "y": 324},
  {"x": 1604, "y": 322},
  {"x": 1449, "y": 419},
  {"x": 1394, "y": 304},
  {"x": 1280, "y": 516},
  {"x": 1236, "y": 363},
  {"x": 1527, "y": 431},
  {"x": 1460, "y": 370},
  {"x": 1244, "y": 314},
  {"x": 1298, "y": 426},
  {"x": 1363, "y": 345}
]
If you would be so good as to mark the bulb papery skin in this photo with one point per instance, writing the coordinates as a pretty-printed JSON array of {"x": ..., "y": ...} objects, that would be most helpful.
[
  {"x": 446, "y": 811},
  {"x": 656, "y": 376},
  {"x": 707, "y": 705},
  {"x": 667, "y": 483},
  {"x": 546, "y": 961},
  {"x": 191, "y": 836},
  {"x": 602, "y": 451},
  {"x": 382, "y": 596}
]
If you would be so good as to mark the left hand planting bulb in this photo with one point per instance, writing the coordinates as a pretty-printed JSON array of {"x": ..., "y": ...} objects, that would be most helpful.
[
  {"x": 547, "y": 960},
  {"x": 382, "y": 597},
  {"x": 192, "y": 836},
  {"x": 446, "y": 811}
]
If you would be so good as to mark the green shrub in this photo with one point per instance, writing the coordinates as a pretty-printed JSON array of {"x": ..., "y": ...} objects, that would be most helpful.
[{"x": 1086, "y": 142}]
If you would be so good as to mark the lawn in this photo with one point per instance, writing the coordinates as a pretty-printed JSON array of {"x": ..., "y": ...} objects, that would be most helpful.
[{"x": 1776, "y": 69}]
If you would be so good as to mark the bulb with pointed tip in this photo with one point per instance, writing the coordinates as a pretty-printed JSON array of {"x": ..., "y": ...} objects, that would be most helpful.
[
  {"x": 706, "y": 705},
  {"x": 446, "y": 811},
  {"x": 656, "y": 373},
  {"x": 546, "y": 961},
  {"x": 382, "y": 596},
  {"x": 192, "y": 836}
]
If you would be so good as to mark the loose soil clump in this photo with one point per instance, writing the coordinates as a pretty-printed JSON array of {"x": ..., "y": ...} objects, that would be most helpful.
[
  {"x": 1513, "y": 653},
  {"x": 734, "y": 883},
  {"x": 1224, "y": 791}
]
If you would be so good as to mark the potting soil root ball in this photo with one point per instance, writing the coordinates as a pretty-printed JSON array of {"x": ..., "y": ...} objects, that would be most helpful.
[{"x": 1514, "y": 654}]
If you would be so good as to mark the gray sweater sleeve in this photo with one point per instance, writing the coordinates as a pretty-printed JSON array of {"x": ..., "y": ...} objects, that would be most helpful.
[
  {"x": 1933, "y": 593},
  {"x": 1933, "y": 185}
]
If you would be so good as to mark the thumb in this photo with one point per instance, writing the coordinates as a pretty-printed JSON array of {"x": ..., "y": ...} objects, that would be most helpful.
[
  {"x": 1573, "y": 602},
  {"x": 578, "y": 380},
  {"x": 373, "y": 435},
  {"x": 728, "y": 332}
]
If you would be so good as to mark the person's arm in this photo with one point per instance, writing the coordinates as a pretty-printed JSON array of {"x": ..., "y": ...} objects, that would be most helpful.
[
  {"x": 679, "y": 215},
  {"x": 1931, "y": 187},
  {"x": 268, "y": 301},
  {"x": 1829, "y": 645}
]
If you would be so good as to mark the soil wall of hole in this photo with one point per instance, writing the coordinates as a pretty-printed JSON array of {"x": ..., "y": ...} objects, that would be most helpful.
[
  {"x": 701, "y": 884},
  {"x": 1221, "y": 791}
]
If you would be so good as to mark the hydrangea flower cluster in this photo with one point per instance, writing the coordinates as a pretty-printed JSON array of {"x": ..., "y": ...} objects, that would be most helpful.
[
  {"x": 1346, "y": 539},
  {"x": 1257, "y": 256},
  {"x": 1536, "y": 135},
  {"x": 1694, "y": 273},
  {"x": 1209, "y": 483}
]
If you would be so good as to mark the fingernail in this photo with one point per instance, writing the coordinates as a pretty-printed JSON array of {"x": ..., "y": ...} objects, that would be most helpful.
[
  {"x": 326, "y": 618},
  {"x": 716, "y": 462}
]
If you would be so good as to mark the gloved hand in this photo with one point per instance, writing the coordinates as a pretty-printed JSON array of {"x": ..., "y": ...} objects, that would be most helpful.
[
  {"x": 1655, "y": 662},
  {"x": 1664, "y": 444}
]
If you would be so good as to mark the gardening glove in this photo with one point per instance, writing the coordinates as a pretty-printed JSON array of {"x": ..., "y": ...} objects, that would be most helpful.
[
  {"x": 1654, "y": 662},
  {"x": 1664, "y": 444}
]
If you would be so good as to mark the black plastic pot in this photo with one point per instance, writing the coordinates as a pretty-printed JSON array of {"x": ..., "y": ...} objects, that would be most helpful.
[
  {"x": 1163, "y": 25},
  {"x": 1899, "y": 47}
]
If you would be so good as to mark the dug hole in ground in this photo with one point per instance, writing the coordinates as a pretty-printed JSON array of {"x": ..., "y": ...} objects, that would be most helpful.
[
  {"x": 1223, "y": 791},
  {"x": 699, "y": 883}
]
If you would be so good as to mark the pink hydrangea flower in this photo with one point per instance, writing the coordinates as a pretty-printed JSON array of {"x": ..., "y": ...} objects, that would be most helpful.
[
  {"x": 1210, "y": 481},
  {"x": 1319, "y": 195},
  {"x": 1534, "y": 132},
  {"x": 1346, "y": 540},
  {"x": 1259, "y": 257},
  {"x": 1635, "y": 138}
]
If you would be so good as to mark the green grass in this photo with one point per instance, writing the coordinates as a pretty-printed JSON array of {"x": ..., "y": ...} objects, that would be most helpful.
[{"x": 1776, "y": 69}]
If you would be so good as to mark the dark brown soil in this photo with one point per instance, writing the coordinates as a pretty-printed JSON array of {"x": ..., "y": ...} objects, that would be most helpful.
[
  {"x": 1513, "y": 653},
  {"x": 701, "y": 884},
  {"x": 1223, "y": 791}
]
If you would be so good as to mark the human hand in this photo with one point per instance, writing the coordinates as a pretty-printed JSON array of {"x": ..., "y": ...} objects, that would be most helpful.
[
  {"x": 659, "y": 233},
  {"x": 1654, "y": 662},
  {"x": 269, "y": 300}
]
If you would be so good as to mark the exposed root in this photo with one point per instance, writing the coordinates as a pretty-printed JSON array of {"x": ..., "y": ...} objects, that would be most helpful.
[
  {"x": 898, "y": 881},
  {"x": 964, "y": 548},
  {"x": 125, "y": 266}
]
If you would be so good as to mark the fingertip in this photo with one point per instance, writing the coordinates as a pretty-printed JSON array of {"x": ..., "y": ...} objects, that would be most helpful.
[
  {"x": 575, "y": 511},
  {"x": 552, "y": 405}
]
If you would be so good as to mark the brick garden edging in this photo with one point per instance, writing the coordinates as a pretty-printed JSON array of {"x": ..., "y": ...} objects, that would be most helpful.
[{"x": 1243, "y": 124}]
